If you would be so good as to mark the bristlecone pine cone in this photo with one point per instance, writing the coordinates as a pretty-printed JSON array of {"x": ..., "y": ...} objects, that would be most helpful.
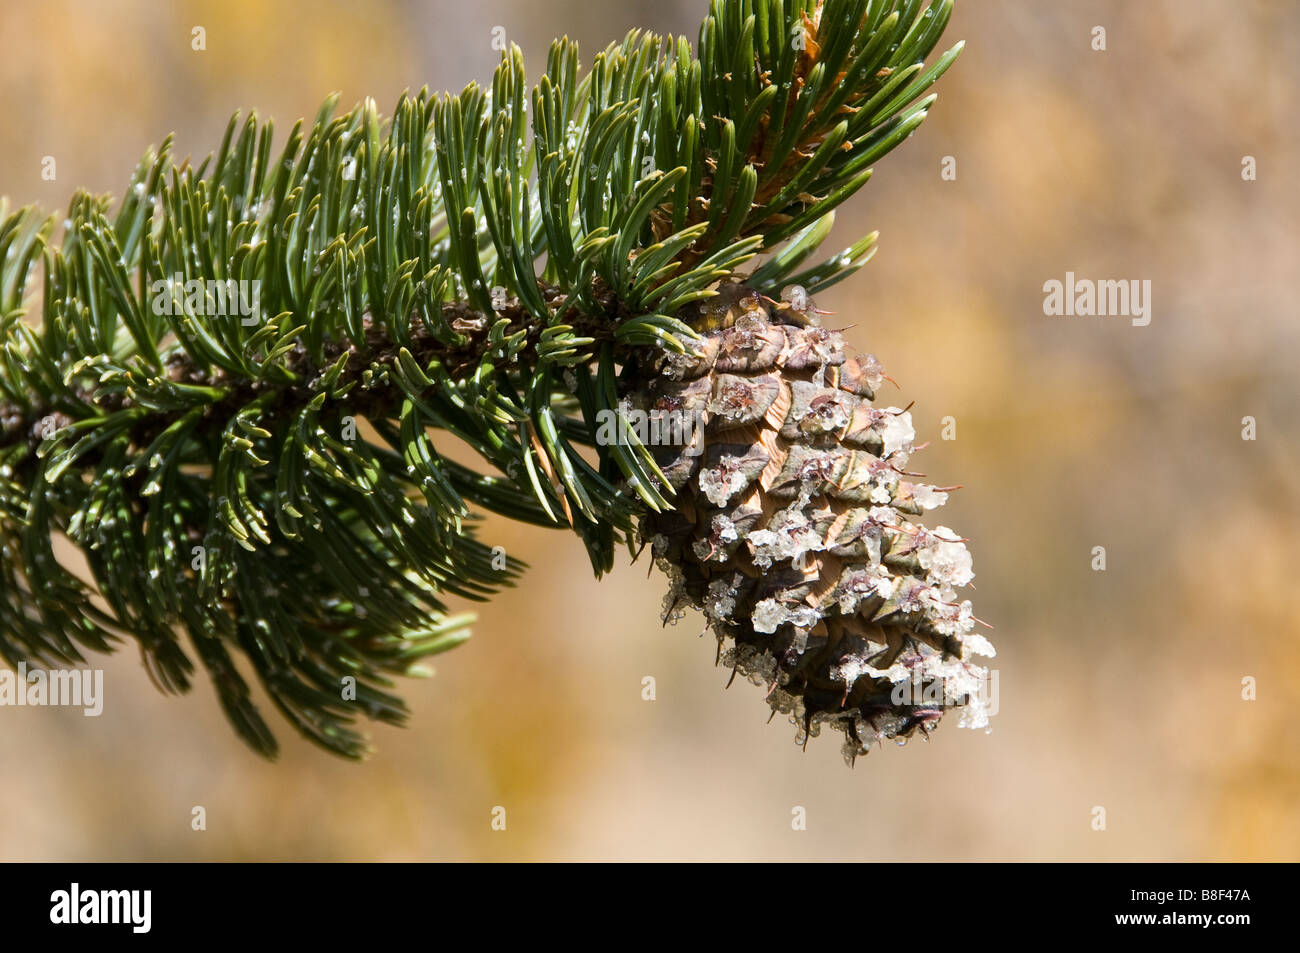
[{"x": 796, "y": 532}]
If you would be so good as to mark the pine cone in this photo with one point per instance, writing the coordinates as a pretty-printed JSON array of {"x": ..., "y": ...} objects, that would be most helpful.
[{"x": 795, "y": 532}]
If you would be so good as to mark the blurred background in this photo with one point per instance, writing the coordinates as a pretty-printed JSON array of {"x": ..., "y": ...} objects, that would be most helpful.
[{"x": 1119, "y": 689}]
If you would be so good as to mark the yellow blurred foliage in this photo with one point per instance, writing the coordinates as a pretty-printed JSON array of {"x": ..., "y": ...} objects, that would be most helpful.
[{"x": 1119, "y": 689}]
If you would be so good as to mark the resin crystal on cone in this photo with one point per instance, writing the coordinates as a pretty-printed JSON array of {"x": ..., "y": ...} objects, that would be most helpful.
[{"x": 797, "y": 529}]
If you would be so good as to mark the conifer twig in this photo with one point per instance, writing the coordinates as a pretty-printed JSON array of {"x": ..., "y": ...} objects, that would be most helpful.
[{"x": 496, "y": 266}]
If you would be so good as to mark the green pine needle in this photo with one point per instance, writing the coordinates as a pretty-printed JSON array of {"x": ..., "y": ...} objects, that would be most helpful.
[{"x": 243, "y": 372}]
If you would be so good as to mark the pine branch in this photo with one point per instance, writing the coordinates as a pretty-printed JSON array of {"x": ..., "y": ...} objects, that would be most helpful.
[{"x": 494, "y": 267}]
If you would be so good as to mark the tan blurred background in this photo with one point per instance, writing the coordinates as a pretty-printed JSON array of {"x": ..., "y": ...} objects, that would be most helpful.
[{"x": 1119, "y": 689}]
